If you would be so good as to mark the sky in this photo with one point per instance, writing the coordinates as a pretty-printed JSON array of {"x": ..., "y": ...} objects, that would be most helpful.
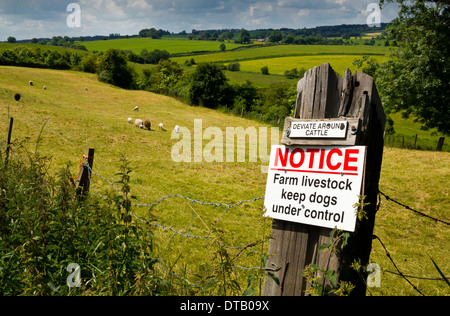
[{"x": 26, "y": 19}]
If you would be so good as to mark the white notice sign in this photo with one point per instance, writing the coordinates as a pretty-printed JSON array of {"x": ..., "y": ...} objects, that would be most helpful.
[
  {"x": 319, "y": 129},
  {"x": 315, "y": 185}
]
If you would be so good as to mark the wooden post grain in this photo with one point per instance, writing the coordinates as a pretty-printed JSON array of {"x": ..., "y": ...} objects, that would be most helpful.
[{"x": 323, "y": 94}]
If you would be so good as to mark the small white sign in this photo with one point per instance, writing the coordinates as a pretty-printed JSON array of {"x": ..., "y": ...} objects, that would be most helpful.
[
  {"x": 319, "y": 129},
  {"x": 315, "y": 185}
]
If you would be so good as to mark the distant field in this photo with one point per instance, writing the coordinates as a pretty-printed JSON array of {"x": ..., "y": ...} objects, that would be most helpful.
[
  {"x": 280, "y": 58},
  {"x": 58, "y": 49},
  {"x": 172, "y": 45},
  {"x": 258, "y": 79},
  {"x": 279, "y": 65},
  {"x": 264, "y": 52}
]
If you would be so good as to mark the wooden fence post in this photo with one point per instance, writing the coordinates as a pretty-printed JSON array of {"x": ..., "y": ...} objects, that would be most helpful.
[
  {"x": 323, "y": 94},
  {"x": 8, "y": 144},
  {"x": 440, "y": 144},
  {"x": 83, "y": 180}
]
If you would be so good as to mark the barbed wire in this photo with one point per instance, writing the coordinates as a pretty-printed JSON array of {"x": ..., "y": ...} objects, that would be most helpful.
[
  {"x": 151, "y": 205},
  {"x": 395, "y": 266},
  {"x": 414, "y": 277},
  {"x": 413, "y": 210}
]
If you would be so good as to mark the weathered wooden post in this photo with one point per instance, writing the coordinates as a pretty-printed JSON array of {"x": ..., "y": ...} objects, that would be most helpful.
[
  {"x": 352, "y": 106},
  {"x": 83, "y": 180}
]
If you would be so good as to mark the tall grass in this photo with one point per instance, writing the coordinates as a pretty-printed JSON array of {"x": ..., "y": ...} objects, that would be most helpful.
[{"x": 45, "y": 227}]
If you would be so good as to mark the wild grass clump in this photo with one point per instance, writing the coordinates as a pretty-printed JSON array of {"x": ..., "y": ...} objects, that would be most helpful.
[{"x": 44, "y": 227}]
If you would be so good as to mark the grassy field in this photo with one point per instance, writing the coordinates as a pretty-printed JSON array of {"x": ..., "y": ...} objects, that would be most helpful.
[
  {"x": 59, "y": 49},
  {"x": 405, "y": 135},
  {"x": 270, "y": 51},
  {"x": 73, "y": 119},
  {"x": 420, "y": 180},
  {"x": 172, "y": 45},
  {"x": 278, "y": 58},
  {"x": 278, "y": 66}
]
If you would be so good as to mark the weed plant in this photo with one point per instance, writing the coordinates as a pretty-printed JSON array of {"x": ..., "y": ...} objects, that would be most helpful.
[{"x": 44, "y": 227}]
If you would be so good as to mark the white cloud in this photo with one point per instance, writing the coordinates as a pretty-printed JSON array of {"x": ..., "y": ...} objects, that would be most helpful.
[
  {"x": 303, "y": 12},
  {"x": 141, "y": 4}
]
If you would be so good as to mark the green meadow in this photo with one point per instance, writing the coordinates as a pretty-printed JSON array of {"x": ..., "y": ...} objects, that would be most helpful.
[
  {"x": 173, "y": 45},
  {"x": 274, "y": 51},
  {"x": 278, "y": 58},
  {"x": 278, "y": 66}
]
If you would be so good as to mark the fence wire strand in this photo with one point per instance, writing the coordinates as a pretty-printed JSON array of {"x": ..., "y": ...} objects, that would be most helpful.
[
  {"x": 152, "y": 205},
  {"x": 413, "y": 210},
  {"x": 395, "y": 266}
]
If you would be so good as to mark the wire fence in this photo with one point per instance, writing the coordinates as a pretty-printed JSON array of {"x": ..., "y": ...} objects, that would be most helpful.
[
  {"x": 150, "y": 206},
  {"x": 231, "y": 206}
]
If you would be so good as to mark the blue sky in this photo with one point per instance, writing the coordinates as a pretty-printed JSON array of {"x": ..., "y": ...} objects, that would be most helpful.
[{"x": 25, "y": 19}]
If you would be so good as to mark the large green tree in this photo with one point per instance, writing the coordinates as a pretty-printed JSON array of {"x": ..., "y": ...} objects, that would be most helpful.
[
  {"x": 152, "y": 33},
  {"x": 113, "y": 68},
  {"x": 416, "y": 79},
  {"x": 209, "y": 86},
  {"x": 244, "y": 36},
  {"x": 276, "y": 36}
]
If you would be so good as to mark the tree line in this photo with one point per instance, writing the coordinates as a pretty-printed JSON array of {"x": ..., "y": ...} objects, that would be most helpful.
[{"x": 289, "y": 35}]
